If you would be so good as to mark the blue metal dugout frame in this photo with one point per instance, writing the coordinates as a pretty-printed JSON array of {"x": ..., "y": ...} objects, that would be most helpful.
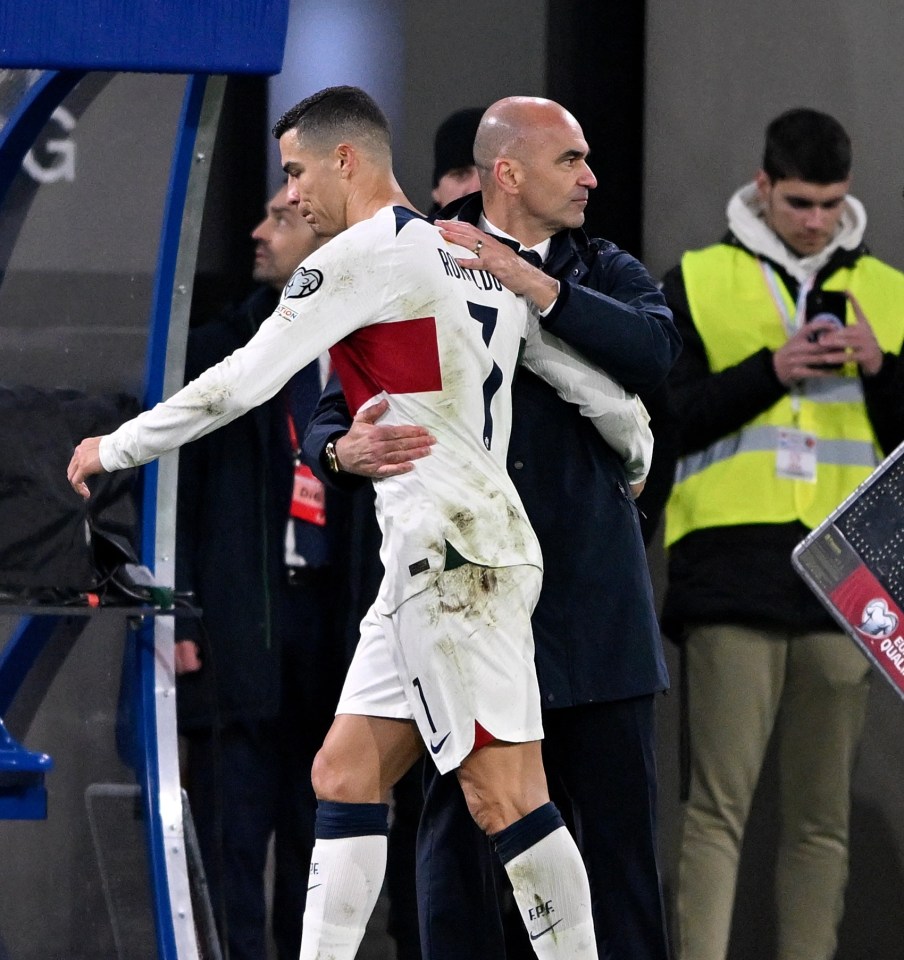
[
  {"x": 67, "y": 38},
  {"x": 156, "y": 757}
]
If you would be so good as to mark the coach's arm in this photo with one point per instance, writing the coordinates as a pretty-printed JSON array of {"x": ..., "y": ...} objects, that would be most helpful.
[{"x": 364, "y": 448}]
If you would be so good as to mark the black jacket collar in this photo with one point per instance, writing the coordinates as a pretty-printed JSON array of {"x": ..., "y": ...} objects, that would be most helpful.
[{"x": 565, "y": 245}]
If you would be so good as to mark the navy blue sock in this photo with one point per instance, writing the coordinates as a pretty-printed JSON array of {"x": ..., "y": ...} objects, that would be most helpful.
[
  {"x": 524, "y": 833},
  {"x": 337, "y": 820}
]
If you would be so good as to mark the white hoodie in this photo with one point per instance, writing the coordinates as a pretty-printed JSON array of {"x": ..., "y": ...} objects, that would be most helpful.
[{"x": 745, "y": 220}]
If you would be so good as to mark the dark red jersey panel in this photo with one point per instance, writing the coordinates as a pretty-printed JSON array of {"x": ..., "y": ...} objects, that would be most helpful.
[{"x": 401, "y": 357}]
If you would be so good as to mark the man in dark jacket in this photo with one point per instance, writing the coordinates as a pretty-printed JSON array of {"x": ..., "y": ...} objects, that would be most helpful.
[
  {"x": 261, "y": 671},
  {"x": 598, "y": 649}
]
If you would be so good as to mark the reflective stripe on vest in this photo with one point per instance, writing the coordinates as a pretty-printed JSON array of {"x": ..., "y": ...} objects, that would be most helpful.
[
  {"x": 734, "y": 481},
  {"x": 765, "y": 440}
]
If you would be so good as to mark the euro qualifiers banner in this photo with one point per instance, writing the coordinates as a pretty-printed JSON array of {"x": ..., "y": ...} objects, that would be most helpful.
[
  {"x": 854, "y": 563},
  {"x": 876, "y": 622}
]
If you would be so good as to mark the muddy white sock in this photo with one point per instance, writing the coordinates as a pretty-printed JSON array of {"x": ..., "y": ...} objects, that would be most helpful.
[
  {"x": 347, "y": 868},
  {"x": 550, "y": 885}
]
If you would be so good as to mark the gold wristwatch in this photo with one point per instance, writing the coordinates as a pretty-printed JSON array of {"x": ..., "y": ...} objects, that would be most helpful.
[{"x": 332, "y": 461}]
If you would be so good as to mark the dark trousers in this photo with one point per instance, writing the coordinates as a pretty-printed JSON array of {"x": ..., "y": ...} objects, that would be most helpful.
[
  {"x": 601, "y": 768},
  {"x": 233, "y": 784},
  {"x": 407, "y": 803},
  {"x": 252, "y": 780}
]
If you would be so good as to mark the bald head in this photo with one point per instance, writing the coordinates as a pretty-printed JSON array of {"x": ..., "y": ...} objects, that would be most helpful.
[
  {"x": 516, "y": 126},
  {"x": 531, "y": 156}
]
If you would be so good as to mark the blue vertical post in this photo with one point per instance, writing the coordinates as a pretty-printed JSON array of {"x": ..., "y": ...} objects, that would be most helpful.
[{"x": 171, "y": 299}]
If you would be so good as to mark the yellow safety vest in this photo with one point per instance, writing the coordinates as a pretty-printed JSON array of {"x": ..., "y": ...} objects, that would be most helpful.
[{"x": 734, "y": 481}]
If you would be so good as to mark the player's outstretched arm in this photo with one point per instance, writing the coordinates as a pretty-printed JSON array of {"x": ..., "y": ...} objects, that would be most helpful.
[{"x": 85, "y": 463}]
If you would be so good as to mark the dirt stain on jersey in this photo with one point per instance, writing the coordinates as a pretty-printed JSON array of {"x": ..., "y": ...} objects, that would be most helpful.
[
  {"x": 486, "y": 580},
  {"x": 466, "y": 589},
  {"x": 213, "y": 400},
  {"x": 498, "y": 530},
  {"x": 463, "y": 520},
  {"x": 345, "y": 281},
  {"x": 446, "y": 647}
]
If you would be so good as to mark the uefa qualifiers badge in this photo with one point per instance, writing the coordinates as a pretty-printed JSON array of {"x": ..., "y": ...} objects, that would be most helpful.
[{"x": 303, "y": 283}]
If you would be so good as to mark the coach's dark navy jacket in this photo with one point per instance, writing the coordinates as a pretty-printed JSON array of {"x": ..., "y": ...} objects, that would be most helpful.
[{"x": 596, "y": 633}]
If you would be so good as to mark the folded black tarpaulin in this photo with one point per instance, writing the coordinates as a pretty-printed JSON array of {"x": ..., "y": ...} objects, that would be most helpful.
[{"x": 55, "y": 546}]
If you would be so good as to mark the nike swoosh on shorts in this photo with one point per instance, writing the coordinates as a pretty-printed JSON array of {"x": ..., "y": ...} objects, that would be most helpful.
[{"x": 436, "y": 747}]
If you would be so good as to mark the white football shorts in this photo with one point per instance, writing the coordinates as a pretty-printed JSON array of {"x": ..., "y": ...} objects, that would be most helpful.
[{"x": 459, "y": 653}]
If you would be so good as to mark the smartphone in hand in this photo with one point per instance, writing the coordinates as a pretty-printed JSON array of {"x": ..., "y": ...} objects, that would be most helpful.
[{"x": 828, "y": 305}]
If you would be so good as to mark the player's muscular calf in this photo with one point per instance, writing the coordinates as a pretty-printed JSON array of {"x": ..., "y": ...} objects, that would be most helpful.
[{"x": 502, "y": 783}]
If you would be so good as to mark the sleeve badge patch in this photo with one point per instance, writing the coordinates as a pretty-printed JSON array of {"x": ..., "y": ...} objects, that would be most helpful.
[{"x": 303, "y": 283}]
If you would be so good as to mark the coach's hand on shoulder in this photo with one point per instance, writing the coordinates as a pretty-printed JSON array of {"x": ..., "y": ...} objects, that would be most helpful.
[
  {"x": 375, "y": 450},
  {"x": 85, "y": 463},
  {"x": 501, "y": 261}
]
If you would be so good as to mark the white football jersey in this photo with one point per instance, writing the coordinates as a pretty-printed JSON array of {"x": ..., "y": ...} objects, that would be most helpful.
[{"x": 403, "y": 321}]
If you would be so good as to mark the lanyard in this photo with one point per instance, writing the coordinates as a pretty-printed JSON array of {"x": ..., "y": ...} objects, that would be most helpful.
[
  {"x": 791, "y": 322},
  {"x": 293, "y": 436}
]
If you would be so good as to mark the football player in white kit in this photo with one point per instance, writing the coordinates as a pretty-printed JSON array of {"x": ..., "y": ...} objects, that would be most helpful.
[{"x": 446, "y": 656}]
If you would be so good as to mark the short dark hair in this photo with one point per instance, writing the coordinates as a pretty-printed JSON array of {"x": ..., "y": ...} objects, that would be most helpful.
[
  {"x": 805, "y": 144},
  {"x": 337, "y": 111}
]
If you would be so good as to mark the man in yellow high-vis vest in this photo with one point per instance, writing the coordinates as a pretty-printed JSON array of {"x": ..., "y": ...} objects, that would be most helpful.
[{"x": 788, "y": 393}]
